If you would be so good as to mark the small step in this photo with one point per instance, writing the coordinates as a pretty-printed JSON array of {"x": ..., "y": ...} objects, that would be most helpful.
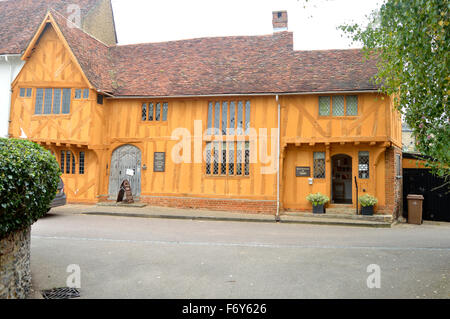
[
  {"x": 121, "y": 204},
  {"x": 350, "y": 216},
  {"x": 334, "y": 221}
]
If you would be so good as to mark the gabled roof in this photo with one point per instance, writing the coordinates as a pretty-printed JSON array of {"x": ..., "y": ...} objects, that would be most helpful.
[
  {"x": 19, "y": 20},
  {"x": 215, "y": 66}
]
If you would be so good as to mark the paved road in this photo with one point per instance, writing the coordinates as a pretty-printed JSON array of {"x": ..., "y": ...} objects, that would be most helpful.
[{"x": 124, "y": 257}]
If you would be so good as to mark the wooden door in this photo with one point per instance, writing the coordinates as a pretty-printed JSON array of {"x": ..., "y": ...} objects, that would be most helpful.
[{"x": 125, "y": 164}]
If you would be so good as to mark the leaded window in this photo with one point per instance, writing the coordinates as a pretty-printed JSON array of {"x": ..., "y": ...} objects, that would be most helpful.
[
  {"x": 223, "y": 167},
  {"x": 77, "y": 94},
  {"x": 208, "y": 159},
  {"x": 66, "y": 101},
  {"x": 63, "y": 153},
  {"x": 165, "y": 111},
  {"x": 57, "y": 101},
  {"x": 155, "y": 111},
  {"x": 158, "y": 112},
  {"x": 144, "y": 111},
  {"x": 81, "y": 163},
  {"x": 363, "y": 164},
  {"x": 39, "y": 101},
  {"x": 338, "y": 105},
  {"x": 228, "y": 158},
  {"x": 228, "y": 117},
  {"x": 352, "y": 105},
  {"x": 319, "y": 164},
  {"x": 85, "y": 93},
  {"x": 150, "y": 111},
  {"x": 324, "y": 105},
  {"x": 22, "y": 92},
  {"x": 48, "y": 101},
  {"x": 216, "y": 158}
]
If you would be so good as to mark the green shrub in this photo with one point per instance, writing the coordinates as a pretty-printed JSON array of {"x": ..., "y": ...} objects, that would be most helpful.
[
  {"x": 29, "y": 177},
  {"x": 317, "y": 199},
  {"x": 367, "y": 200}
]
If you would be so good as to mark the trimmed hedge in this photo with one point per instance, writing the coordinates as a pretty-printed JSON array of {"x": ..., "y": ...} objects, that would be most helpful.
[{"x": 29, "y": 177}]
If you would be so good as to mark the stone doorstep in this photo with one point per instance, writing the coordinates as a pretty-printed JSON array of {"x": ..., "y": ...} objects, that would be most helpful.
[
  {"x": 334, "y": 221},
  {"x": 114, "y": 204}
]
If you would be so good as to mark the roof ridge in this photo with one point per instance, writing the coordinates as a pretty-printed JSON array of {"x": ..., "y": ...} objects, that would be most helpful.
[{"x": 202, "y": 38}]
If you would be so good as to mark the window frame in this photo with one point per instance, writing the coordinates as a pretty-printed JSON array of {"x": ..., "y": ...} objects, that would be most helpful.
[
  {"x": 42, "y": 101},
  {"x": 360, "y": 172},
  {"x": 330, "y": 113},
  {"x": 69, "y": 161},
  {"x": 228, "y": 166},
  {"x": 164, "y": 112},
  {"x": 240, "y": 117},
  {"x": 324, "y": 165},
  {"x": 25, "y": 93}
]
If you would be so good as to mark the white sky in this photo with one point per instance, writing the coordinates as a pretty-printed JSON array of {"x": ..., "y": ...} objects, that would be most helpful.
[{"x": 313, "y": 22}]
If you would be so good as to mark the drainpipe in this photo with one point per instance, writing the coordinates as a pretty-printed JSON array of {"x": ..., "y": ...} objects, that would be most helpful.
[
  {"x": 277, "y": 217},
  {"x": 10, "y": 92}
]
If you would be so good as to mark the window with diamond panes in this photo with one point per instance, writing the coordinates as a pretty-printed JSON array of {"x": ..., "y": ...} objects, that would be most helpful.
[
  {"x": 338, "y": 105},
  {"x": 324, "y": 105},
  {"x": 352, "y": 105},
  {"x": 228, "y": 159},
  {"x": 319, "y": 164},
  {"x": 155, "y": 111},
  {"x": 216, "y": 158},
  {"x": 239, "y": 159},
  {"x": 363, "y": 164},
  {"x": 208, "y": 159},
  {"x": 144, "y": 111},
  {"x": 231, "y": 158}
]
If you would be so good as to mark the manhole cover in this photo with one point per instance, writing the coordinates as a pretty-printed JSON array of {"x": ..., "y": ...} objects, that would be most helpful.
[{"x": 61, "y": 293}]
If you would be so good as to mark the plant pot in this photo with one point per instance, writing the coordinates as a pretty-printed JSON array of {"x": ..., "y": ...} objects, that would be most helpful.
[
  {"x": 368, "y": 210},
  {"x": 319, "y": 209}
]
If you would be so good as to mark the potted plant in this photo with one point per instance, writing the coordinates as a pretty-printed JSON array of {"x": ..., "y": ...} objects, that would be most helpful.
[
  {"x": 367, "y": 202},
  {"x": 318, "y": 202}
]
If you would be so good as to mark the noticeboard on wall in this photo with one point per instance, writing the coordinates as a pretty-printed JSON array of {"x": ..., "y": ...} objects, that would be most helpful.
[
  {"x": 303, "y": 171},
  {"x": 159, "y": 162}
]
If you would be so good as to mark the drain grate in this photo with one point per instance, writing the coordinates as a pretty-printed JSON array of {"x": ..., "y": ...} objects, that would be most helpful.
[{"x": 61, "y": 293}]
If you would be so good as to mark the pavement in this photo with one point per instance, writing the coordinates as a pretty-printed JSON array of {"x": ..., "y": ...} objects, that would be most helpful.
[
  {"x": 122, "y": 256},
  {"x": 138, "y": 210}
]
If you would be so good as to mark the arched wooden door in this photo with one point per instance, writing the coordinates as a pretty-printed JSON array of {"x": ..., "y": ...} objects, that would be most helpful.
[{"x": 125, "y": 164}]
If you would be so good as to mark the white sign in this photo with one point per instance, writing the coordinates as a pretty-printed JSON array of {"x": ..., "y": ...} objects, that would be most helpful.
[
  {"x": 363, "y": 167},
  {"x": 130, "y": 172}
]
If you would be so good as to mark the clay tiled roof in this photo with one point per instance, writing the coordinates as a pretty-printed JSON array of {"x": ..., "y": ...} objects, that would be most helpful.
[
  {"x": 19, "y": 20},
  {"x": 217, "y": 66},
  {"x": 91, "y": 54},
  {"x": 237, "y": 65}
]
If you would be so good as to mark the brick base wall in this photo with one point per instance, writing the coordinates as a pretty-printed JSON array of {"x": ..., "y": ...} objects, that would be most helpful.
[
  {"x": 234, "y": 205},
  {"x": 393, "y": 184}
]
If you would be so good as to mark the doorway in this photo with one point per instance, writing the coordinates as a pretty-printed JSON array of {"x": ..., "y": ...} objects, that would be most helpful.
[
  {"x": 341, "y": 183},
  {"x": 125, "y": 164}
]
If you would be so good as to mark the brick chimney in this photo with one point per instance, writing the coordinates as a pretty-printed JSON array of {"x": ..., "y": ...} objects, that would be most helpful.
[{"x": 280, "y": 21}]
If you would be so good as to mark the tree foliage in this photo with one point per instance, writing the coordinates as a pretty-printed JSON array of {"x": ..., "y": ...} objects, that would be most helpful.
[
  {"x": 410, "y": 39},
  {"x": 29, "y": 177}
]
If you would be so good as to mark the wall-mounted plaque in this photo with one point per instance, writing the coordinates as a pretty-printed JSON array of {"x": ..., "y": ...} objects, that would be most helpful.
[
  {"x": 301, "y": 171},
  {"x": 159, "y": 162}
]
